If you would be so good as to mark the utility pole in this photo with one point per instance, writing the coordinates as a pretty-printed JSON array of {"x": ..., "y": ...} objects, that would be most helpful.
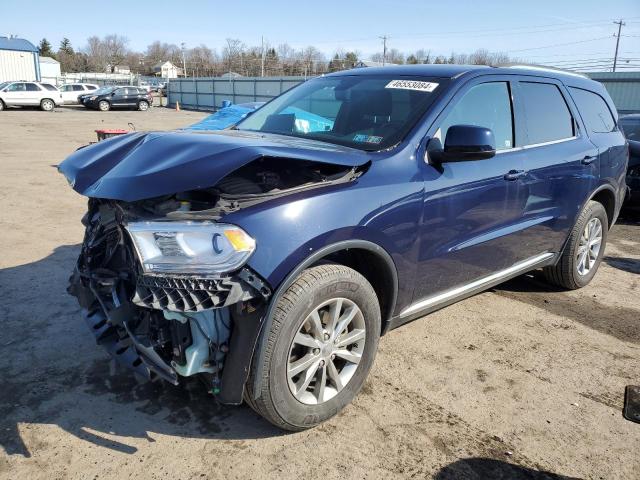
[
  {"x": 620, "y": 24},
  {"x": 262, "y": 59},
  {"x": 384, "y": 39},
  {"x": 184, "y": 62}
]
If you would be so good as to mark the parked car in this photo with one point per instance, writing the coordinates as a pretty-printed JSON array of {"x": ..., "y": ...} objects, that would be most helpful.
[
  {"x": 71, "y": 91},
  {"x": 630, "y": 124},
  {"x": 267, "y": 259},
  {"x": 106, "y": 98},
  {"x": 29, "y": 94}
]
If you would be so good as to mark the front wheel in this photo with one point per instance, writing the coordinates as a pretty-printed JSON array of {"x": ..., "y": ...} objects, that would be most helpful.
[
  {"x": 47, "y": 105},
  {"x": 104, "y": 106},
  {"x": 584, "y": 251},
  {"x": 319, "y": 349},
  {"x": 143, "y": 105},
  {"x": 1, "y": 105}
]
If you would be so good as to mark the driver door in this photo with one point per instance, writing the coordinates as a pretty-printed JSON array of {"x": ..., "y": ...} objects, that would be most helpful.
[{"x": 471, "y": 208}]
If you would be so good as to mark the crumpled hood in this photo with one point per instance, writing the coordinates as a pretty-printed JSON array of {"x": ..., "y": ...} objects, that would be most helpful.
[{"x": 144, "y": 165}]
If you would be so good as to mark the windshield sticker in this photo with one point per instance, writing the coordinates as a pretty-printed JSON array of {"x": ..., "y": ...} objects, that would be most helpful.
[
  {"x": 367, "y": 138},
  {"x": 412, "y": 85}
]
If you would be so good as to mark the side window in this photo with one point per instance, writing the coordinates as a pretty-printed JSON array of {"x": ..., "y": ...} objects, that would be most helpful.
[
  {"x": 32, "y": 87},
  {"x": 630, "y": 127},
  {"x": 594, "y": 111},
  {"x": 486, "y": 105},
  {"x": 16, "y": 87},
  {"x": 120, "y": 91},
  {"x": 77, "y": 88},
  {"x": 547, "y": 114},
  {"x": 49, "y": 87},
  {"x": 65, "y": 88},
  {"x": 89, "y": 87}
]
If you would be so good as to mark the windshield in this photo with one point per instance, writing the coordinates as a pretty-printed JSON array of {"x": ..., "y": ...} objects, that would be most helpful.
[
  {"x": 4, "y": 84},
  {"x": 364, "y": 112}
]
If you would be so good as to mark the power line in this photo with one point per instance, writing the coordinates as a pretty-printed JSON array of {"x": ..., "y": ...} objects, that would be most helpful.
[{"x": 558, "y": 44}]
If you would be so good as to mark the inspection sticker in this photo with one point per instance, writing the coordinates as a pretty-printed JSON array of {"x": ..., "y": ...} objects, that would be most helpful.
[
  {"x": 359, "y": 137},
  {"x": 412, "y": 85}
]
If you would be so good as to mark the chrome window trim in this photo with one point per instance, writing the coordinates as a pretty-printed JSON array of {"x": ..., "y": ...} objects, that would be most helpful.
[{"x": 536, "y": 145}]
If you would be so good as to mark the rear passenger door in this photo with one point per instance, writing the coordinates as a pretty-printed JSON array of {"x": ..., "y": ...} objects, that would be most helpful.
[
  {"x": 32, "y": 94},
  {"x": 561, "y": 164}
]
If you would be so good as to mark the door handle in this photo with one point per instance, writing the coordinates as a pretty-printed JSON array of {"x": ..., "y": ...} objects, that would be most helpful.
[
  {"x": 514, "y": 174},
  {"x": 589, "y": 159}
]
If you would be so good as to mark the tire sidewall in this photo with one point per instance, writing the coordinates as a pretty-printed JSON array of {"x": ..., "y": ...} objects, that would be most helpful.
[
  {"x": 594, "y": 210},
  {"x": 106, "y": 109},
  {"x": 140, "y": 105},
  {"x": 2, "y": 107},
  {"x": 45, "y": 102},
  {"x": 287, "y": 406}
]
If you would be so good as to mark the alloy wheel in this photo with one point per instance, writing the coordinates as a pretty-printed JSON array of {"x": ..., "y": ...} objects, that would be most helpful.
[
  {"x": 326, "y": 351},
  {"x": 47, "y": 105},
  {"x": 589, "y": 246}
]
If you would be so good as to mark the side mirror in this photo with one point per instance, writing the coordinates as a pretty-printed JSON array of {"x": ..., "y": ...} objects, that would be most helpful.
[{"x": 464, "y": 143}]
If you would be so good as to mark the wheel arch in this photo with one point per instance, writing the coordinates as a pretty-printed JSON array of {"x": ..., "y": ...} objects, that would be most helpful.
[
  {"x": 606, "y": 196},
  {"x": 351, "y": 253}
]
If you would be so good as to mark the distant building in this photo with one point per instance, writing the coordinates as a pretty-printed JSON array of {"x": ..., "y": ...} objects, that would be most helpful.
[
  {"x": 18, "y": 60},
  {"x": 624, "y": 88},
  {"x": 49, "y": 70},
  {"x": 122, "y": 69},
  {"x": 167, "y": 70}
]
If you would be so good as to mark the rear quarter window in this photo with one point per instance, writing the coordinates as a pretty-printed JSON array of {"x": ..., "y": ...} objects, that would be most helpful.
[
  {"x": 547, "y": 115},
  {"x": 594, "y": 111},
  {"x": 49, "y": 87}
]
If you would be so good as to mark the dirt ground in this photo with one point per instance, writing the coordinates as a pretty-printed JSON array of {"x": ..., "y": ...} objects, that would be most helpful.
[{"x": 519, "y": 382}]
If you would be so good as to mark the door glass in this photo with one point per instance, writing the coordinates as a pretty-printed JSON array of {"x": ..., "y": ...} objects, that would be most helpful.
[
  {"x": 32, "y": 87},
  {"x": 594, "y": 111},
  {"x": 546, "y": 112},
  {"x": 486, "y": 105},
  {"x": 77, "y": 88},
  {"x": 16, "y": 87}
]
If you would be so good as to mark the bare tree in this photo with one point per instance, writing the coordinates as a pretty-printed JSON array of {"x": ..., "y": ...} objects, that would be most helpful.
[{"x": 116, "y": 49}]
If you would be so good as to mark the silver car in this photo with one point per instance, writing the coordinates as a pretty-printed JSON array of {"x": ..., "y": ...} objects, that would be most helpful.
[{"x": 24, "y": 94}]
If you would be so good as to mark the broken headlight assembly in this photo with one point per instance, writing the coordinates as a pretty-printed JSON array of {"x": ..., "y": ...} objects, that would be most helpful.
[{"x": 190, "y": 247}]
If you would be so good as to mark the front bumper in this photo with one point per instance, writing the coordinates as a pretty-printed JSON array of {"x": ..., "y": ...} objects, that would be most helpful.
[{"x": 129, "y": 313}]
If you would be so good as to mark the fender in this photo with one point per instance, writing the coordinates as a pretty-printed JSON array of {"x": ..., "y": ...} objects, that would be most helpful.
[{"x": 310, "y": 260}]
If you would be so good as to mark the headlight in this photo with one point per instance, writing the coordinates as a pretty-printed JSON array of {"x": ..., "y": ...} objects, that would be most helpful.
[
  {"x": 190, "y": 247},
  {"x": 93, "y": 98}
]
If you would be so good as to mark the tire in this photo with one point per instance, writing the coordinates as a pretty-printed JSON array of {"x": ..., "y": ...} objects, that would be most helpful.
[
  {"x": 2, "y": 106},
  {"x": 325, "y": 289},
  {"x": 570, "y": 272},
  {"x": 143, "y": 105},
  {"x": 47, "y": 105},
  {"x": 104, "y": 106}
]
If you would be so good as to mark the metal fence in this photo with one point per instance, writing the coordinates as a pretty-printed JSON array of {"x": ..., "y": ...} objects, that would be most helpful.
[{"x": 209, "y": 93}]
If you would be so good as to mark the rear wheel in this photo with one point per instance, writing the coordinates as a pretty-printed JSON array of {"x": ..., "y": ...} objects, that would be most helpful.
[
  {"x": 584, "y": 251},
  {"x": 104, "y": 106},
  {"x": 47, "y": 105},
  {"x": 143, "y": 105},
  {"x": 319, "y": 349}
]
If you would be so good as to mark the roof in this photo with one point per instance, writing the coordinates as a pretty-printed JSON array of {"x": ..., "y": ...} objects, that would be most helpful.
[
  {"x": 456, "y": 71},
  {"x": 48, "y": 60},
  {"x": 18, "y": 44},
  {"x": 161, "y": 64}
]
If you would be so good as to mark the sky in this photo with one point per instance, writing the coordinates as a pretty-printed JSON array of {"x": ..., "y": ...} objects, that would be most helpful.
[{"x": 563, "y": 32}]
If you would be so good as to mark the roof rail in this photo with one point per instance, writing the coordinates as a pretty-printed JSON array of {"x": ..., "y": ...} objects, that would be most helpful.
[{"x": 532, "y": 66}]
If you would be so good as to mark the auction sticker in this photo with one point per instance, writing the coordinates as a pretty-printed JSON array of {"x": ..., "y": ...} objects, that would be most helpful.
[{"x": 412, "y": 85}]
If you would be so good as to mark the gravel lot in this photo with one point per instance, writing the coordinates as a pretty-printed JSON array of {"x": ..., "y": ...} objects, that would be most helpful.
[{"x": 519, "y": 382}]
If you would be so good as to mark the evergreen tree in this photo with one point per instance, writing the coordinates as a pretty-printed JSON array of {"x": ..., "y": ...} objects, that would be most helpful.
[
  {"x": 65, "y": 46},
  {"x": 44, "y": 48}
]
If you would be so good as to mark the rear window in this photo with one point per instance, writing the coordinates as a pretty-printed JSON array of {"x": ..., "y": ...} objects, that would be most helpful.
[
  {"x": 49, "y": 87},
  {"x": 594, "y": 111},
  {"x": 547, "y": 115}
]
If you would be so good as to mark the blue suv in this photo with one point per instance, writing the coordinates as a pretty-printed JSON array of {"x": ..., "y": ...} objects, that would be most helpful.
[{"x": 267, "y": 259}]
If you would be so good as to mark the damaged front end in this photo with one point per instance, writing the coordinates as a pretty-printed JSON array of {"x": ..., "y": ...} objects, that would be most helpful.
[
  {"x": 165, "y": 324},
  {"x": 163, "y": 282}
]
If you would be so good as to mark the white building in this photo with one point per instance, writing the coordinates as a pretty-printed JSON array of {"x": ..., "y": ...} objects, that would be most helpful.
[
  {"x": 49, "y": 70},
  {"x": 18, "y": 60},
  {"x": 167, "y": 70}
]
